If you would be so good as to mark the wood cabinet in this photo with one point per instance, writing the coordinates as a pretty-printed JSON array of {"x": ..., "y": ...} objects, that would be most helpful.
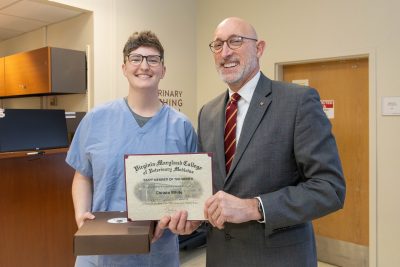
[
  {"x": 37, "y": 221},
  {"x": 2, "y": 91},
  {"x": 46, "y": 70}
]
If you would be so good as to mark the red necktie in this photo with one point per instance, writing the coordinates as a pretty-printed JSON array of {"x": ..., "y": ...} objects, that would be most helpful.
[{"x": 230, "y": 130}]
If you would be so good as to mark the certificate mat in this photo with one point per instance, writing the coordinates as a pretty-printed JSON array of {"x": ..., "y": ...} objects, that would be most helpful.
[{"x": 161, "y": 184}]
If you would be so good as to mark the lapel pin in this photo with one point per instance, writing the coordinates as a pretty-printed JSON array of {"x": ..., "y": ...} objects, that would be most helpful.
[{"x": 261, "y": 103}]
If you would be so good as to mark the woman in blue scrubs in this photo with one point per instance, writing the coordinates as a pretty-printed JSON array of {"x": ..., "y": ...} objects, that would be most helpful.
[{"x": 136, "y": 124}]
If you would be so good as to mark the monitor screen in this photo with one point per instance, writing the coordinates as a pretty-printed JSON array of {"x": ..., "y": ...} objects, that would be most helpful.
[{"x": 32, "y": 129}]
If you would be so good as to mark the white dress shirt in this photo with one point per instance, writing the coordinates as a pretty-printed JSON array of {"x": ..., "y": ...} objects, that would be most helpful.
[{"x": 246, "y": 93}]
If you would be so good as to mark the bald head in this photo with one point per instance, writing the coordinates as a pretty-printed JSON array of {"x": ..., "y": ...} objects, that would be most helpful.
[
  {"x": 236, "y": 50},
  {"x": 235, "y": 25}
]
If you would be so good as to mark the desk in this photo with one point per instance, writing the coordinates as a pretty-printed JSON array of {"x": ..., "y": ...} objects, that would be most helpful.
[{"x": 37, "y": 220}]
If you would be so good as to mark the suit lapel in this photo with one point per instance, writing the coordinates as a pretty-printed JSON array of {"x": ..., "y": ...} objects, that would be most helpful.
[{"x": 258, "y": 106}]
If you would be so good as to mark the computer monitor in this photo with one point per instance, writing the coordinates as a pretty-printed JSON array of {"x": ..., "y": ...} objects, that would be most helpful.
[{"x": 32, "y": 129}]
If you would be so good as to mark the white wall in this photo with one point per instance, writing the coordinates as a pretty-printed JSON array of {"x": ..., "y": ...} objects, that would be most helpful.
[
  {"x": 312, "y": 29},
  {"x": 115, "y": 20}
]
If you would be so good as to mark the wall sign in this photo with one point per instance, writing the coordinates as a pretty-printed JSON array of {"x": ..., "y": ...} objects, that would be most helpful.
[
  {"x": 171, "y": 97},
  {"x": 391, "y": 105},
  {"x": 329, "y": 108},
  {"x": 301, "y": 82}
]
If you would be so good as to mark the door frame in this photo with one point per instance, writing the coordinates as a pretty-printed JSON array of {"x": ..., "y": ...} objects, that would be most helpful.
[{"x": 373, "y": 104}]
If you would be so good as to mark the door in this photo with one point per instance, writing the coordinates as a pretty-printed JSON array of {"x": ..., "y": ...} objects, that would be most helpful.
[
  {"x": 342, "y": 237},
  {"x": 2, "y": 91},
  {"x": 37, "y": 221}
]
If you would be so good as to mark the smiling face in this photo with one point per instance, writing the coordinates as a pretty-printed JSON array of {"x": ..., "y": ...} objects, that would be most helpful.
[
  {"x": 143, "y": 76},
  {"x": 236, "y": 67}
]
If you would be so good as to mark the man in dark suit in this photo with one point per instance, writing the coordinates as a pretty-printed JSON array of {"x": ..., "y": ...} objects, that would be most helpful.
[{"x": 285, "y": 170}]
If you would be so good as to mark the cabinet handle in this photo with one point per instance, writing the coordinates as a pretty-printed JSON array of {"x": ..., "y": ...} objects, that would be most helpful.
[{"x": 22, "y": 86}]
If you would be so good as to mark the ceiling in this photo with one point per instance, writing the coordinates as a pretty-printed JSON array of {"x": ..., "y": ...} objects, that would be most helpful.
[{"x": 20, "y": 16}]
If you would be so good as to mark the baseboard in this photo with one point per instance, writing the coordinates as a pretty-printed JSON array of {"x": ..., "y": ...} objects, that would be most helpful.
[{"x": 341, "y": 253}]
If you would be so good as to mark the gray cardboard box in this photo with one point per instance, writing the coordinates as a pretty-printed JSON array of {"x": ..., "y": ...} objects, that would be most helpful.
[{"x": 100, "y": 237}]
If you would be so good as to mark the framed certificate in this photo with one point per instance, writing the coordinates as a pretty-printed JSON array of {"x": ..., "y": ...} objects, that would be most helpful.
[{"x": 161, "y": 184}]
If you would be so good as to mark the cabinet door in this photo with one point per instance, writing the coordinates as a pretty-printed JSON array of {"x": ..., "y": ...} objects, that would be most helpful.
[
  {"x": 2, "y": 91},
  {"x": 27, "y": 73},
  {"x": 37, "y": 216}
]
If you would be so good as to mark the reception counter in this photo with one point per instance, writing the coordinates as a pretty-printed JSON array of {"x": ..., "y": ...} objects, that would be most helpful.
[{"x": 37, "y": 222}]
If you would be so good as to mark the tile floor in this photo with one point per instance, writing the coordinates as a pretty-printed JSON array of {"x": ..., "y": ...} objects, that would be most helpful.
[{"x": 197, "y": 258}]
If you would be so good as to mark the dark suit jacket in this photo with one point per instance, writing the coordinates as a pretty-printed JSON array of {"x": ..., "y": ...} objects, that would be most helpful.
[{"x": 287, "y": 155}]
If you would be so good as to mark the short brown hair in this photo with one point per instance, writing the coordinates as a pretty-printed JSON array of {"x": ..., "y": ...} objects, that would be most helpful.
[{"x": 143, "y": 38}]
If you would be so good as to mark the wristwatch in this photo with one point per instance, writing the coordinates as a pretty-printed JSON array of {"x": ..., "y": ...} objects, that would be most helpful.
[{"x": 260, "y": 210}]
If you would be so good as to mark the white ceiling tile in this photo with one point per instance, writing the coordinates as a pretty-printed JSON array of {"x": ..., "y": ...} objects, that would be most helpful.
[
  {"x": 19, "y": 16},
  {"x": 39, "y": 11},
  {"x": 4, "y": 3},
  {"x": 7, "y": 34},
  {"x": 19, "y": 24}
]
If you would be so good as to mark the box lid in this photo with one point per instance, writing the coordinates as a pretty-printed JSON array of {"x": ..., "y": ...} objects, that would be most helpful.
[{"x": 112, "y": 233}]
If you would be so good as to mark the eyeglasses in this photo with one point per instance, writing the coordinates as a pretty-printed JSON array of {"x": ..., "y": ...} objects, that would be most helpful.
[
  {"x": 152, "y": 60},
  {"x": 233, "y": 42}
]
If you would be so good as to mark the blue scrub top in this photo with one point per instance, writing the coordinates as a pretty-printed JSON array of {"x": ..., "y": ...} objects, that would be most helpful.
[{"x": 102, "y": 139}]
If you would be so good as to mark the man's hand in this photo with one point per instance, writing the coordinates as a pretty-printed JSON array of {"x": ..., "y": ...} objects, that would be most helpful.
[
  {"x": 223, "y": 207},
  {"x": 177, "y": 223}
]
